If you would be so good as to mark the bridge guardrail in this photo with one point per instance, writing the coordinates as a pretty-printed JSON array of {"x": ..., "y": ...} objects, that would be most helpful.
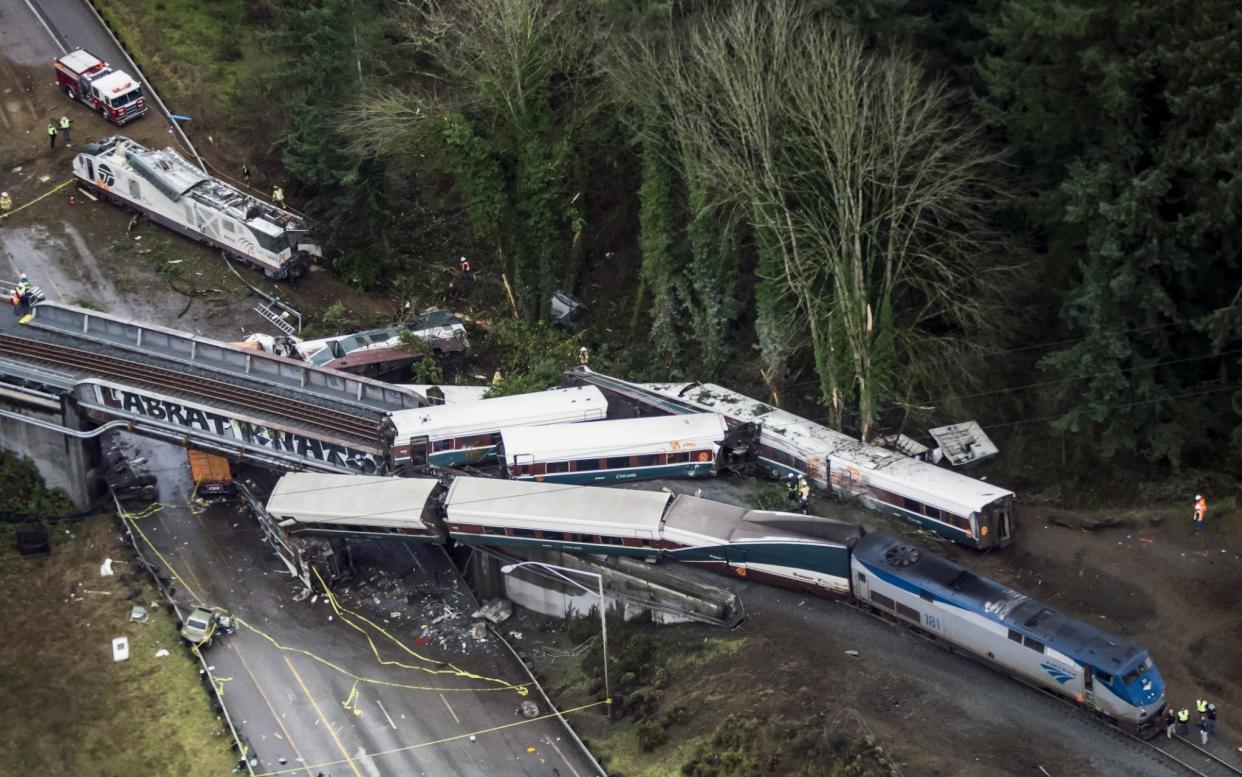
[{"x": 212, "y": 354}]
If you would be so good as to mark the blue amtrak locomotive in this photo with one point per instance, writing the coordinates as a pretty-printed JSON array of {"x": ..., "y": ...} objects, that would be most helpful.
[{"x": 1009, "y": 630}]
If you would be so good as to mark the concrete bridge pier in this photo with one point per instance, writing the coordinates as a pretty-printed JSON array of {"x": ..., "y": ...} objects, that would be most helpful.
[
  {"x": 65, "y": 462},
  {"x": 665, "y": 591}
]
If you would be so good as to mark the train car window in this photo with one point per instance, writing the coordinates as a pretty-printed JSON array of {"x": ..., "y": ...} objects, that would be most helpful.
[
  {"x": 536, "y": 469},
  {"x": 925, "y": 595},
  {"x": 1015, "y": 636},
  {"x": 1104, "y": 677},
  {"x": 931, "y": 512},
  {"x": 442, "y": 445},
  {"x": 862, "y": 578},
  {"x": 558, "y": 466},
  {"x": 611, "y": 540},
  {"x": 524, "y": 533},
  {"x": 681, "y": 457},
  {"x": 649, "y": 460},
  {"x": 618, "y": 462},
  {"x": 493, "y": 530},
  {"x": 1033, "y": 644},
  {"x": 909, "y": 612},
  {"x": 588, "y": 538},
  {"x": 495, "y": 438},
  {"x": 912, "y": 505},
  {"x": 883, "y": 601}
]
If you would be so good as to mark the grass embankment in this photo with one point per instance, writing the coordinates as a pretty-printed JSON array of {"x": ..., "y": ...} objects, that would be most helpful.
[
  {"x": 207, "y": 62},
  {"x": 68, "y": 708},
  {"x": 699, "y": 702}
]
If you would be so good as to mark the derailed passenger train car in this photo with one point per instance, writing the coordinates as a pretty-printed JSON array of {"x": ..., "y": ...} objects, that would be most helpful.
[
  {"x": 965, "y": 510},
  {"x": 468, "y": 432},
  {"x": 782, "y": 549},
  {"x": 1007, "y": 629},
  {"x": 357, "y": 506},
  {"x": 686, "y": 446}
]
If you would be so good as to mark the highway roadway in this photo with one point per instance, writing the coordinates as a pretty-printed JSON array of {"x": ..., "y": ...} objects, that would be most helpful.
[{"x": 304, "y": 688}]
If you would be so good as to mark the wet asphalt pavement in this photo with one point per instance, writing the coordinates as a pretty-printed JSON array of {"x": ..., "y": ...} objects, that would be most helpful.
[{"x": 304, "y": 686}]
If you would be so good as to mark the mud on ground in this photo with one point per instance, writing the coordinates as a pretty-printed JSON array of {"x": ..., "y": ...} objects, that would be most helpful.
[{"x": 81, "y": 252}]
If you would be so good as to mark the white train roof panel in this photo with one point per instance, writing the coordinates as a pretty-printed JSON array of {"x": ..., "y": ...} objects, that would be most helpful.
[
  {"x": 453, "y": 395},
  {"x": 322, "y": 498},
  {"x": 964, "y": 443},
  {"x": 494, "y": 502},
  {"x": 625, "y": 437},
  {"x": 541, "y": 407},
  {"x": 929, "y": 483},
  {"x": 781, "y": 424},
  {"x": 937, "y": 486}
]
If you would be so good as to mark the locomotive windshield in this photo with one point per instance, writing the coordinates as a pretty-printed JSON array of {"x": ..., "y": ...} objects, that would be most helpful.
[{"x": 1134, "y": 674}]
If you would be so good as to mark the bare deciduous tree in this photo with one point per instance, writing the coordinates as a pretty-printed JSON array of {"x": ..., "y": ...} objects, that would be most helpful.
[{"x": 876, "y": 193}]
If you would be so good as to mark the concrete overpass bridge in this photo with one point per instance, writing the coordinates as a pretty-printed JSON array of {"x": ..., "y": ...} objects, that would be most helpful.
[{"x": 69, "y": 370}]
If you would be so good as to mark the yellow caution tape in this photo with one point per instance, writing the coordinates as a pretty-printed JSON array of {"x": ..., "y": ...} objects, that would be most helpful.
[
  {"x": 408, "y": 748},
  {"x": 449, "y": 669},
  {"x": 48, "y": 193}
]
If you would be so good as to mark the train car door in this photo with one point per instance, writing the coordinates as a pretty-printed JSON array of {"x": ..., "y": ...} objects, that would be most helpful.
[
  {"x": 1002, "y": 524},
  {"x": 1088, "y": 686},
  {"x": 861, "y": 590},
  {"x": 418, "y": 451}
]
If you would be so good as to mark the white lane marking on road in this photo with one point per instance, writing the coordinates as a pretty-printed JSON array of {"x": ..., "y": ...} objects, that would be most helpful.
[
  {"x": 386, "y": 716},
  {"x": 450, "y": 709},
  {"x": 367, "y": 763},
  {"x": 51, "y": 34},
  {"x": 564, "y": 760}
]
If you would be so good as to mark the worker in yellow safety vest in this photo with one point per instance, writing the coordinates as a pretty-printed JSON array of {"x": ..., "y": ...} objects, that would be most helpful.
[
  {"x": 51, "y": 135},
  {"x": 804, "y": 496},
  {"x": 64, "y": 130},
  {"x": 6, "y": 202},
  {"x": 278, "y": 196},
  {"x": 1183, "y": 721},
  {"x": 1201, "y": 708}
]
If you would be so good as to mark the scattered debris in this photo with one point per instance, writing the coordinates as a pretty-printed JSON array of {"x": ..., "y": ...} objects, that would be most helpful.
[
  {"x": 120, "y": 649},
  {"x": 301, "y": 594},
  {"x": 852, "y": 653},
  {"x": 479, "y": 630},
  {"x": 161, "y": 653},
  {"x": 515, "y": 635},
  {"x": 105, "y": 569},
  {"x": 530, "y": 709},
  {"x": 138, "y": 614},
  {"x": 495, "y": 610}
]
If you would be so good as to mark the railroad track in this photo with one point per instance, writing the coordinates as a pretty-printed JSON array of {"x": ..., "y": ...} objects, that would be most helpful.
[
  {"x": 1190, "y": 757},
  {"x": 366, "y": 427},
  {"x": 1178, "y": 752}
]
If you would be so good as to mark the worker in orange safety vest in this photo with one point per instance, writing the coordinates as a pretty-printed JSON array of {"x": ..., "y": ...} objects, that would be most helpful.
[{"x": 1200, "y": 512}]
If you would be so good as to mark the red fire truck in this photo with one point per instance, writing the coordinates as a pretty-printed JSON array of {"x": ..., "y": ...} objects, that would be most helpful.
[{"x": 112, "y": 93}]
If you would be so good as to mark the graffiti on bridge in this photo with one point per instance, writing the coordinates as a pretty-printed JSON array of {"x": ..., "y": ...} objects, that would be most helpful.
[{"x": 197, "y": 418}]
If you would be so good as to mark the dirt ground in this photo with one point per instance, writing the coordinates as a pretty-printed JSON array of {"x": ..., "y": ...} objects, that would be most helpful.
[{"x": 80, "y": 252}]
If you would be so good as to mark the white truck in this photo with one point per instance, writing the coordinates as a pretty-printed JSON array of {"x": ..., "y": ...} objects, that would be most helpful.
[
  {"x": 113, "y": 94},
  {"x": 173, "y": 192}
]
